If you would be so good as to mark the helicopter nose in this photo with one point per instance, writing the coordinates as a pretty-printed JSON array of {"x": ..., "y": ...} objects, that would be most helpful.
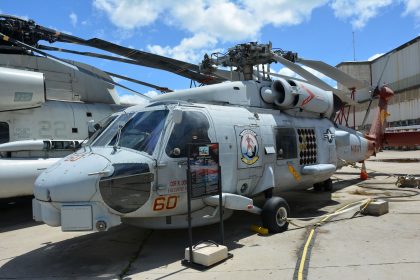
[{"x": 73, "y": 178}]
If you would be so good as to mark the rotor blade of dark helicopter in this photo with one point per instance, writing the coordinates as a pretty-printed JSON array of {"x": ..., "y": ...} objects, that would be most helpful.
[
  {"x": 161, "y": 89},
  {"x": 334, "y": 73},
  {"x": 313, "y": 79},
  {"x": 80, "y": 68},
  {"x": 175, "y": 66},
  {"x": 33, "y": 32},
  {"x": 219, "y": 73},
  {"x": 139, "y": 55},
  {"x": 90, "y": 54}
]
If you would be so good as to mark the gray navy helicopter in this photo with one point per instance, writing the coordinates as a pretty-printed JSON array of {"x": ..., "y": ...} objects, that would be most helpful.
[
  {"x": 272, "y": 134},
  {"x": 47, "y": 105}
]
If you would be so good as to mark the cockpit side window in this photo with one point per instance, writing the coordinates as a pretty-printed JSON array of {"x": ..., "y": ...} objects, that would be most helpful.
[
  {"x": 286, "y": 143},
  {"x": 4, "y": 132},
  {"x": 194, "y": 128}
]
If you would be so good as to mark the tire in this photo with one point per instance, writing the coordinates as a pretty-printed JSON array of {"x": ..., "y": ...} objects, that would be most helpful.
[
  {"x": 318, "y": 187},
  {"x": 328, "y": 185},
  {"x": 274, "y": 209}
]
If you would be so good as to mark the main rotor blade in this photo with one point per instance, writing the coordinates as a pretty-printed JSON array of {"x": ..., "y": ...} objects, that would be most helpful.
[
  {"x": 286, "y": 77},
  {"x": 334, "y": 73},
  {"x": 303, "y": 73},
  {"x": 313, "y": 79},
  {"x": 161, "y": 89},
  {"x": 185, "y": 69},
  {"x": 223, "y": 74},
  {"x": 80, "y": 68},
  {"x": 90, "y": 54},
  {"x": 29, "y": 33}
]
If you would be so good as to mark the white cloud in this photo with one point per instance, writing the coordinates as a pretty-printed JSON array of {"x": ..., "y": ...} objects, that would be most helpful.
[
  {"x": 133, "y": 99},
  {"x": 190, "y": 49},
  {"x": 239, "y": 20},
  {"x": 209, "y": 22},
  {"x": 283, "y": 12},
  {"x": 152, "y": 93},
  {"x": 412, "y": 7},
  {"x": 359, "y": 12},
  {"x": 130, "y": 13},
  {"x": 375, "y": 56},
  {"x": 221, "y": 19},
  {"x": 73, "y": 19}
]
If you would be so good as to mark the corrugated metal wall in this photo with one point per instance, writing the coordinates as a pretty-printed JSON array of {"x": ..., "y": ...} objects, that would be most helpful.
[{"x": 402, "y": 70}]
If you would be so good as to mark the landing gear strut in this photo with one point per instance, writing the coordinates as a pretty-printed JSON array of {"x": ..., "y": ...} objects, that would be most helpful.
[
  {"x": 268, "y": 193},
  {"x": 326, "y": 186},
  {"x": 274, "y": 214}
]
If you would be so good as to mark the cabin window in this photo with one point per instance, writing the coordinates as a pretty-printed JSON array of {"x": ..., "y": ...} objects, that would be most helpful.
[
  {"x": 4, "y": 132},
  {"x": 286, "y": 143},
  {"x": 194, "y": 128}
]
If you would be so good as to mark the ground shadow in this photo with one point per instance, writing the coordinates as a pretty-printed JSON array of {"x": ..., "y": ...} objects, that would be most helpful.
[
  {"x": 16, "y": 213},
  {"x": 96, "y": 255},
  {"x": 135, "y": 250}
]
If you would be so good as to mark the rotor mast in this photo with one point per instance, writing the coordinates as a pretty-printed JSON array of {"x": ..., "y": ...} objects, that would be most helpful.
[{"x": 242, "y": 56}]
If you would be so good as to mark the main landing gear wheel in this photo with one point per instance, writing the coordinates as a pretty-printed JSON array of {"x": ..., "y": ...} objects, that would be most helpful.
[{"x": 274, "y": 215}]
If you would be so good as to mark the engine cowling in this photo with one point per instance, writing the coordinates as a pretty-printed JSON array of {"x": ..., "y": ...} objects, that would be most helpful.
[
  {"x": 21, "y": 89},
  {"x": 292, "y": 94}
]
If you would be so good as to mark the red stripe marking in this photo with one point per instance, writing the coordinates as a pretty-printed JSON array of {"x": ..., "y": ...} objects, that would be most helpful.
[{"x": 309, "y": 98}]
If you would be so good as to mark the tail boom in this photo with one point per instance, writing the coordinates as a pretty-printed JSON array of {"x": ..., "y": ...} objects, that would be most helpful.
[{"x": 376, "y": 135}]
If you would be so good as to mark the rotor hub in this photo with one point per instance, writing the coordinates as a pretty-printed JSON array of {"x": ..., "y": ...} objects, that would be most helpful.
[{"x": 243, "y": 56}]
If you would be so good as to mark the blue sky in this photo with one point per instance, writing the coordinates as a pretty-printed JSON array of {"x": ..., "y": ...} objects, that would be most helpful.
[{"x": 316, "y": 29}]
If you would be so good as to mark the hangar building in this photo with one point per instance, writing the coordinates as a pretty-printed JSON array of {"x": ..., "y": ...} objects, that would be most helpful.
[{"x": 401, "y": 72}]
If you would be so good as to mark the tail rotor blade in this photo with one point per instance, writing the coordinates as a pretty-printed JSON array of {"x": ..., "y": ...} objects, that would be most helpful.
[{"x": 367, "y": 113}]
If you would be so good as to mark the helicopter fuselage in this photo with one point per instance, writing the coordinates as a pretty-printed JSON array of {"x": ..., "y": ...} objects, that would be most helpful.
[
  {"x": 45, "y": 109},
  {"x": 134, "y": 171},
  {"x": 32, "y": 139}
]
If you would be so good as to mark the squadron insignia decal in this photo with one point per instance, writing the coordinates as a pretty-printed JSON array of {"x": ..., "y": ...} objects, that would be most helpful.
[{"x": 249, "y": 146}]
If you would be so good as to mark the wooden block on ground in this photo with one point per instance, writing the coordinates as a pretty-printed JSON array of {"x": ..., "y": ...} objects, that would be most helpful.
[{"x": 207, "y": 254}]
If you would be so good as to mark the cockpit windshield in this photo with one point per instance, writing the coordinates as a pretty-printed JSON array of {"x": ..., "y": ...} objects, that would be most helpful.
[
  {"x": 141, "y": 132},
  {"x": 100, "y": 127},
  {"x": 106, "y": 134}
]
